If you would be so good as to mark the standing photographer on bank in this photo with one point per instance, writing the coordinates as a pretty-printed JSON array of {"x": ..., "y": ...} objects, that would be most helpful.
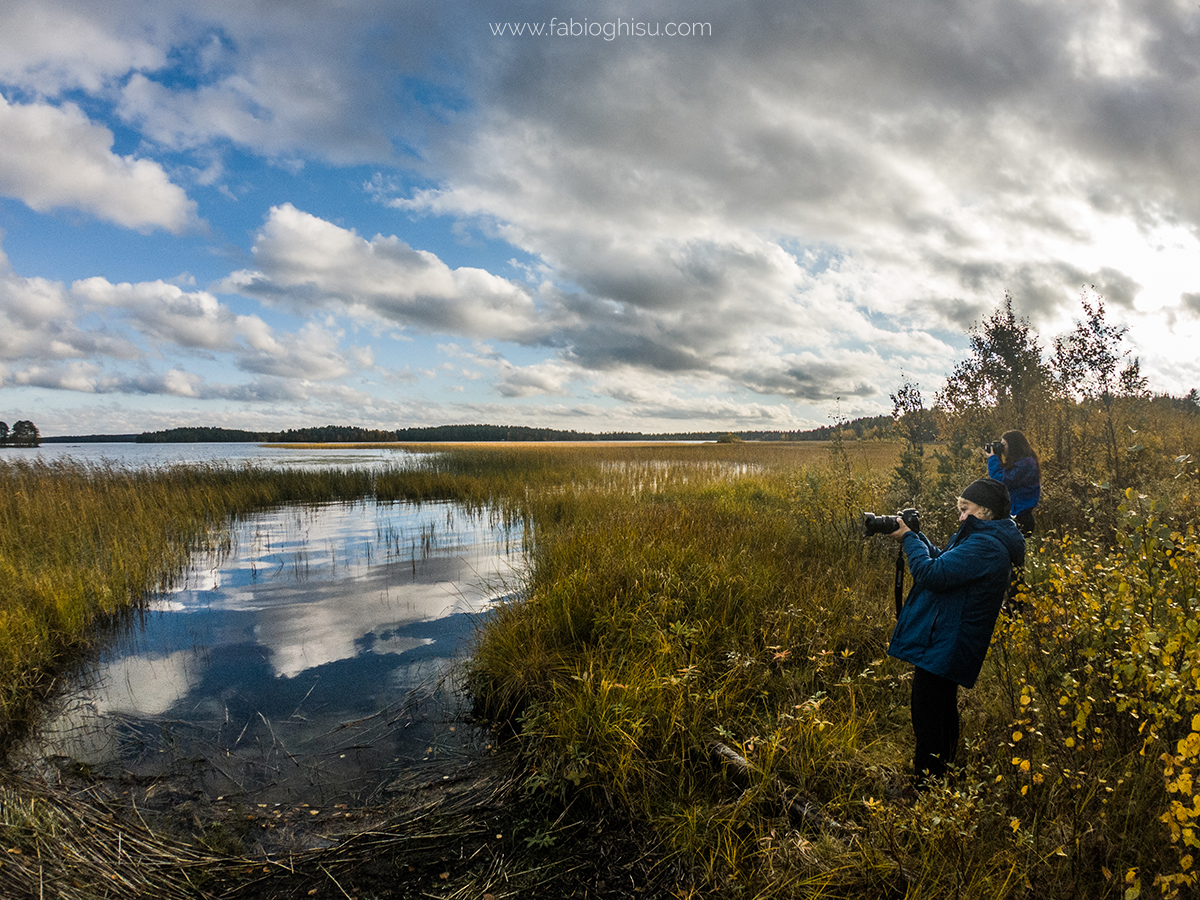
[
  {"x": 1021, "y": 474},
  {"x": 945, "y": 626}
]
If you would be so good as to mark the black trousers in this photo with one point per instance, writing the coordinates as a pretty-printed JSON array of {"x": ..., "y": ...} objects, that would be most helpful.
[
  {"x": 935, "y": 722},
  {"x": 1025, "y": 522}
]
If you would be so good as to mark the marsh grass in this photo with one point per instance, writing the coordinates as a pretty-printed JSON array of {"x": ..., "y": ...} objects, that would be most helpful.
[
  {"x": 80, "y": 543},
  {"x": 673, "y": 606},
  {"x": 683, "y": 598},
  {"x": 670, "y": 607}
]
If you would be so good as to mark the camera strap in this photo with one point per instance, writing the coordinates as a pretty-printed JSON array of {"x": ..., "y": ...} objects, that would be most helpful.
[{"x": 899, "y": 582}]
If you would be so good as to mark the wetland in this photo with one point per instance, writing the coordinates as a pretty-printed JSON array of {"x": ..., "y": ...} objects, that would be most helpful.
[{"x": 594, "y": 671}]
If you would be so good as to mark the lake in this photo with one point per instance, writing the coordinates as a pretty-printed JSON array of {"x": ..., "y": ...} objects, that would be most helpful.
[
  {"x": 157, "y": 455},
  {"x": 314, "y": 661}
]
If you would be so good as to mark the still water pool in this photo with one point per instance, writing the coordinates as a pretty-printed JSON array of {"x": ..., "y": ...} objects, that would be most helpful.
[{"x": 311, "y": 662}]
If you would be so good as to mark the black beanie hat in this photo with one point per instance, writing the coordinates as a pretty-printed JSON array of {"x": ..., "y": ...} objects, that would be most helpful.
[{"x": 990, "y": 493}]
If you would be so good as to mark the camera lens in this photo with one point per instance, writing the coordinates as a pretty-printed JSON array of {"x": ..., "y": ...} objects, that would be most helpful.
[{"x": 873, "y": 524}]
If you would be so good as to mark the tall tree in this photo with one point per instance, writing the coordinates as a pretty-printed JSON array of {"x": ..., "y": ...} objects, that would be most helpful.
[
  {"x": 1004, "y": 371},
  {"x": 999, "y": 386},
  {"x": 1087, "y": 359},
  {"x": 1091, "y": 366}
]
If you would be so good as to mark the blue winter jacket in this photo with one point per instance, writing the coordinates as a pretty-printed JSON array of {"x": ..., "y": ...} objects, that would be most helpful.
[
  {"x": 946, "y": 624},
  {"x": 1023, "y": 480}
]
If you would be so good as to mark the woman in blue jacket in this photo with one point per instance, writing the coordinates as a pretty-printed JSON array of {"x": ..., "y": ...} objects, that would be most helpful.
[
  {"x": 1021, "y": 474},
  {"x": 946, "y": 624}
]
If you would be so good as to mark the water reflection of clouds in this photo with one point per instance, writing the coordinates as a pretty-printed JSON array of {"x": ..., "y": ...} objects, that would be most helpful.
[
  {"x": 146, "y": 684},
  {"x": 320, "y": 620},
  {"x": 305, "y": 628},
  {"x": 320, "y": 580},
  {"x": 252, "y": 615}
]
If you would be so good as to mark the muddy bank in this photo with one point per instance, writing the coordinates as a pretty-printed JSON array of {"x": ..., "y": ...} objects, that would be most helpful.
[{"x": 451, "y": 828}]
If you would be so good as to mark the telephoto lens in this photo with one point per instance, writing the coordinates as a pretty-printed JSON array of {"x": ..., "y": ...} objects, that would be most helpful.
[{"x": 873, "y": 524}]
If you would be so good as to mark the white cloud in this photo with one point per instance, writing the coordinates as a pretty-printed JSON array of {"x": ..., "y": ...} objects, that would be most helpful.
[
  {"x": 309, "y": 264},
  {"x": 46, "y": 348},
  {"x": 75, "y": 376},
  {"x": 49, "y": 46},
  {"x": 36, "y": 323},
  {"x": 54, "y": 158},
  {"x": 311, "y": 354},
  {"x": 165, "y": 312}
]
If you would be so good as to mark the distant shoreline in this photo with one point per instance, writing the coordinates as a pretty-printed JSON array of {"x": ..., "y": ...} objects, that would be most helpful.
[{"x": 873, "y": 426}]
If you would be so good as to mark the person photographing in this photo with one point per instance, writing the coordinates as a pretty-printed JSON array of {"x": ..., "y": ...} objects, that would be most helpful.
[
  {"x": 1015, "y": 464},
  {"x": 945, "y": 625}
]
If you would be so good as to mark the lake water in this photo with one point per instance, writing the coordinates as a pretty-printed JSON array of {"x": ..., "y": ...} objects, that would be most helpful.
[
  {"x": 157, "y": 455},
  {"x": 312, "y": 663}
]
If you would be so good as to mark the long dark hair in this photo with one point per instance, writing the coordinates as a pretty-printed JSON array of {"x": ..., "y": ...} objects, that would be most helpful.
[{"x": 1018, "y": 448}]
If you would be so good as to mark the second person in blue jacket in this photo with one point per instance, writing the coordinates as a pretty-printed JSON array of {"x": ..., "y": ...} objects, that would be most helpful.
[{"x": 1021, "y": 473}]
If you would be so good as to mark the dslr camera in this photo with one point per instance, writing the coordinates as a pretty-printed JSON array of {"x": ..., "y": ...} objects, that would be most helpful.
[
  {"x": 996, "y": 447},
  {"x": 873, "y": 524}
]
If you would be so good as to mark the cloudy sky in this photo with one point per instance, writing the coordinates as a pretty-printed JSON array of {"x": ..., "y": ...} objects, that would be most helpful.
[{"x": 659, "y": 216}]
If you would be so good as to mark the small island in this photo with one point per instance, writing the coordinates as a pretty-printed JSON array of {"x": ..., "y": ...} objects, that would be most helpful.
[{"x": 22, "y": 434}]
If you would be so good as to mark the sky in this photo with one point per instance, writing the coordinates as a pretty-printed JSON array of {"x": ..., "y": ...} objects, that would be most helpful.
[{"x": 603, "y": 216}]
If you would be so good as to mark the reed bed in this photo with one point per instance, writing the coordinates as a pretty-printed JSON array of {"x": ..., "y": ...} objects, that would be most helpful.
[
  {"x": 81, "y": 543},
  {"x": 673, "y": 608}
]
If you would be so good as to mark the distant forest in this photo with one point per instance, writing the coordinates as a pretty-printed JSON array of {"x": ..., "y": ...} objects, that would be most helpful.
[{"x": 868, "y": 427}]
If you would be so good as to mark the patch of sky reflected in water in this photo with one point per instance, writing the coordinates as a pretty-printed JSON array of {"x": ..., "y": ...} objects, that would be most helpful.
[{"x": 313, "y": 662}]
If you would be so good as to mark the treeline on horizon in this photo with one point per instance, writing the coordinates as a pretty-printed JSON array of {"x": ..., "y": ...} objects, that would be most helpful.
[{"x": 866, "y": 427}]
